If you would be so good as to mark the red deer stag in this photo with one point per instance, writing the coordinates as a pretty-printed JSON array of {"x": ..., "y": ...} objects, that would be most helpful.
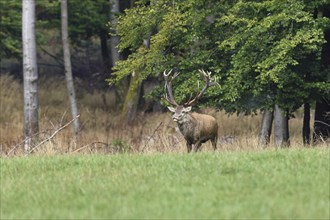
[{"x": 196, "y": 128}]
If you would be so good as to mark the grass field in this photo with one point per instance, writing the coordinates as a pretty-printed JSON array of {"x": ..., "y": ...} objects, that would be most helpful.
[{"x": 267, "y": 184}]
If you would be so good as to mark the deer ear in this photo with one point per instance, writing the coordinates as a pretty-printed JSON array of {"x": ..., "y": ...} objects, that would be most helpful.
[
  {"x": 171, "y": 108},
  {"x": 188, "y": 109}
]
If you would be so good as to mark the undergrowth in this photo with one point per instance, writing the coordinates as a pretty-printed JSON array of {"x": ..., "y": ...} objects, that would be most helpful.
[{"x": 101, "y": 130}]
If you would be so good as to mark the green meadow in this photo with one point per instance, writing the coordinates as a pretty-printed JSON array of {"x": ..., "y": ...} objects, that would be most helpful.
[{"x": 264, "y": 184}]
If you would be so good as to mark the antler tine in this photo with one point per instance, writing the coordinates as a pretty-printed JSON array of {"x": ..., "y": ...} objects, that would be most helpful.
[
  {"x": 168, "y": 87},
  {"x": 207, "y": 77},
  {"x": 207, "y": 74},
  {"x": 166, "y": 75}
]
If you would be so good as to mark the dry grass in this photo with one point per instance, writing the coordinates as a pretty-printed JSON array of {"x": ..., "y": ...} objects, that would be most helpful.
[{"x": 102, "y": 131}]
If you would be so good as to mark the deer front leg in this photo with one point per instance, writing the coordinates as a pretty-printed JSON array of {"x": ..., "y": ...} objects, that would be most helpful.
[
  {"x": 214, "y": 143},
  {"x": 189, "y": 146},
  {"x": 197, "y": 146}
]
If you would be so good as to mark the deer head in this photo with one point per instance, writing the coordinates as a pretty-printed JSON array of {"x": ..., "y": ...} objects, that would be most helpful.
[
  {"x": 179, "y": 113},
  {"x": 181, "y": 110}
]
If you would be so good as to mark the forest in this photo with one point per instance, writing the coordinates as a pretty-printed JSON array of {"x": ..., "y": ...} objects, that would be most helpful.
[
  {"x": 268, "y": 58},
  {"x": 164, "y": 109}
]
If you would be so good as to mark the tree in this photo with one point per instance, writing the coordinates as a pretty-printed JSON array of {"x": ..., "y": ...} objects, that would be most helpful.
[
  {"x": 276, "y": 53},
  {"x": 89, "y": 19},
  {"x": 132, "y": 98},
  {"x": 260, "y": 51},
  {"x": 30, "y": 73},
  {"x": 122, "y": 86},
  {"x": 114, "y": 39},
  {"x": 306, "y": 131},
  {"x": 130, "y": 107},
  {"x": 67, "y": 65},
  {"x": 266, "y": 127},
  {"x": 281, "y": 127},
  {"x": 165, "y": 28}
]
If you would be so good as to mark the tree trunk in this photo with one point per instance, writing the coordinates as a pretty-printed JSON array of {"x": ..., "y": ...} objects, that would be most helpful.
[
  {"x": 122, "y": 86},
  {"x": 281, "y": 127},
  {"x": 114, "y": 39},
  {"x": 322, "y": 121},
  {"x": 67, "y": 66},
  {"x": 30, "y": 73},
  {"x": 105, "y": 51},
  {"x": 129, "y": 110},
  {"x": 306, "y": 132},
  {"x": 266, "y": 127}
]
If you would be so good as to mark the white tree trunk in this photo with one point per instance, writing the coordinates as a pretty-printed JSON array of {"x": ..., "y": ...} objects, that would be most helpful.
[
  {"x": 30, "y": 73},
  {"x": 123, "y": 85},
  {"x": 114, "y": 40},
  {"x": 67, "y": 65}
]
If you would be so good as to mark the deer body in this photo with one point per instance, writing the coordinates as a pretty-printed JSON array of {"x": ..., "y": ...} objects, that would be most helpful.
[{"x": 196, "y": 128}]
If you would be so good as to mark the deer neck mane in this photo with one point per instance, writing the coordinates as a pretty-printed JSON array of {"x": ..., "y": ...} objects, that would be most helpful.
[{"x": 187, "y": 123}]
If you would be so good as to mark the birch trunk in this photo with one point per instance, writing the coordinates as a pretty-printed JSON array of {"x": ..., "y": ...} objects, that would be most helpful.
[
  {"x": 266, "y": 127},
  {"x": 67, "y": 65},
  {"x": 30, "y": 73},
  {"x": 114, "y": 39},
  {"x": 122, "y": 87},
  {"x": 281, "y": 127}
]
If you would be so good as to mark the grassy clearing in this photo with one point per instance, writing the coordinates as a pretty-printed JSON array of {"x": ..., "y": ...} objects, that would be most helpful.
[{"x": 269, "y": 184}]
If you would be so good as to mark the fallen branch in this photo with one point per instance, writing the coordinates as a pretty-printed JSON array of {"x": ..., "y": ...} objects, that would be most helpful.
[
  {"x": 87, "y": 145},
  {"x": 23, "y": 141},
  {"x": 152, "y": 136},
  {"x": 51, "y": 136},
  {"x": 318, "y": 138}
]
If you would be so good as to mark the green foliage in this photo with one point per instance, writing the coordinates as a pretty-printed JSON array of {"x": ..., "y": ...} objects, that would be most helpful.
[
  {"x": 261, "y": 52},
  {"x": 10, "y": 29},
  {"x": 176, "y": 41},
  {"x": 87, "y": 19},
  {"x": 47, "y": 16},
  {"x": 268, "y": 42},
  {"x": 281, "y": 184}
]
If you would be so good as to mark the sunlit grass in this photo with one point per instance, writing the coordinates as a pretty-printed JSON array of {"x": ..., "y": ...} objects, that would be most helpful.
[{"x": 268, "y": 184}]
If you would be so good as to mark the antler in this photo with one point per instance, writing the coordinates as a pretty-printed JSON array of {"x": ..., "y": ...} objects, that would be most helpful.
[
  {"x": 207, "y": 77},
  {"x": 168, "y": 87}
]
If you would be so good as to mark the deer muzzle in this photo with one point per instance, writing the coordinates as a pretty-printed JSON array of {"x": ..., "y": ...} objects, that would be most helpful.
[{"x": 175, "y": 118}]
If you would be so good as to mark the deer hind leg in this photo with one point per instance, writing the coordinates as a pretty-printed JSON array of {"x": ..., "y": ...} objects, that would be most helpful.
[
  {"x": 214, "y": 142},
  {"x": 197, "y": 146},
  {"x": 189, "y": 146}
]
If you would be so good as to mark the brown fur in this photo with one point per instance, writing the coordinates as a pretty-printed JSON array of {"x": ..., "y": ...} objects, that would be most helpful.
[{"x": 197, "y": 129}]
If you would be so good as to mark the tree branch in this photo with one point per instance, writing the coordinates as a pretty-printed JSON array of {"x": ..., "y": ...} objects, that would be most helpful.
[{"x": 51, "y": 136}]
